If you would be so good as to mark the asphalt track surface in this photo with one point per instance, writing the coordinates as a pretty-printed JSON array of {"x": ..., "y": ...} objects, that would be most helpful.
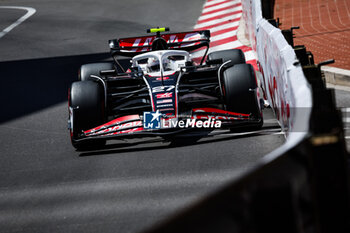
[{"x": 47, "y": 186}]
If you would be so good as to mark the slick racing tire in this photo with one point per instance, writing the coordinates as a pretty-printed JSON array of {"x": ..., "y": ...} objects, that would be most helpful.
[
  {"x": 240, "y": 92},
  {"x": 87, "y": 110},
  {"x": 93, "y": 69},
  {"x": 235, "y": 55}
]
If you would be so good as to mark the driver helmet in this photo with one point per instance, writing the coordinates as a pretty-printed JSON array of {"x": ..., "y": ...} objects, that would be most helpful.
[
  {"x": 153, "y": 65},
  {"x": 168, "y": 64}
]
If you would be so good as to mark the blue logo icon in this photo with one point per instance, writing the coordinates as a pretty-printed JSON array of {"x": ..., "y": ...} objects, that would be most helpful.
[{"x": 151, "y": 120}]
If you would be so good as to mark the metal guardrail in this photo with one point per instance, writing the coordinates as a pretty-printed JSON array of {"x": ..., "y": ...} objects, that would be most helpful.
[{"x": 303, "y": 189}]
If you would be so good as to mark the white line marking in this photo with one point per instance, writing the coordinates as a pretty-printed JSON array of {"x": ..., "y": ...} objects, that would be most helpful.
[
  {"x": 30, "y": 12},
  {"x": 215, "y": 21},
  {"x": 219, "y": 6},
  {"x": 227, "y": 25},
  {"x": 213, "y": 2},
  {"x": 229, "y": 45},
  {"x": 225, "y": 35},
  {"x": 220, "y": 13}
]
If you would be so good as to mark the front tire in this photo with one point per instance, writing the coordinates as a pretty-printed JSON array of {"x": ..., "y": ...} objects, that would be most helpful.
[
  {"x": 87, "y": 110},
  {"x": 240, "y": 92}
]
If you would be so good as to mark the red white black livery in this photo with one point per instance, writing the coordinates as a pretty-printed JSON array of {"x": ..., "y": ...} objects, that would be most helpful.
[{"x": 110, "y": 98}]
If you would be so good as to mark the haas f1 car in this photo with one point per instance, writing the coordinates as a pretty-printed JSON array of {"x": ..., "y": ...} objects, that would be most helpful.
[{"x": 163, "y": 91}]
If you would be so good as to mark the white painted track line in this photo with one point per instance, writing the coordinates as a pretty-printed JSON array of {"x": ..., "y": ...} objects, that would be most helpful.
[
  {"x": 224, "y": 35},
  {"x": 219, "y": 20},
  {"x": 229, "y": 45},
  {"x": 224, "y": 26},
  {"x": 213, "y": 2},
  {"x": 220, "y": 13},
  {"x": 219, "y": 6},
  {"x": 30, "y": 12}
]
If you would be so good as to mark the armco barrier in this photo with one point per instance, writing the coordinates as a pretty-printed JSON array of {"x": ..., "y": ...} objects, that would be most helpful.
[{"x": 303, "y": 186}]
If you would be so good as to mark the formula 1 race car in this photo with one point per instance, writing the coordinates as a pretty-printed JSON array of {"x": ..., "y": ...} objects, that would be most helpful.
[{"x": 163, "y": 91}]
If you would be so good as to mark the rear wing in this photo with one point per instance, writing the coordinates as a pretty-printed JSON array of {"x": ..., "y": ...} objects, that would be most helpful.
[{"x": 132, "y": 46}]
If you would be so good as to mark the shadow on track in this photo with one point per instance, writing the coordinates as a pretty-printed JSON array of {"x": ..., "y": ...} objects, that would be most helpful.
[
  {"x": 181, "y": 141},
  {"x": 31, "y": 85}
]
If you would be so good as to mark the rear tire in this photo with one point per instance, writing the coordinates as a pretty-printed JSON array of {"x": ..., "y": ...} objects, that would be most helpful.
[
  {"x": 240, "y": 91},
  {"x": 93, "y": 69},
  {"x": 87, "y": 101},
  {"x": 235, "y": 55}
]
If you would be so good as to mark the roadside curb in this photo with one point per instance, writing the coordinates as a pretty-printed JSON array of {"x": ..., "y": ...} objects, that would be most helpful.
[{"x": 336, "y": 76}]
